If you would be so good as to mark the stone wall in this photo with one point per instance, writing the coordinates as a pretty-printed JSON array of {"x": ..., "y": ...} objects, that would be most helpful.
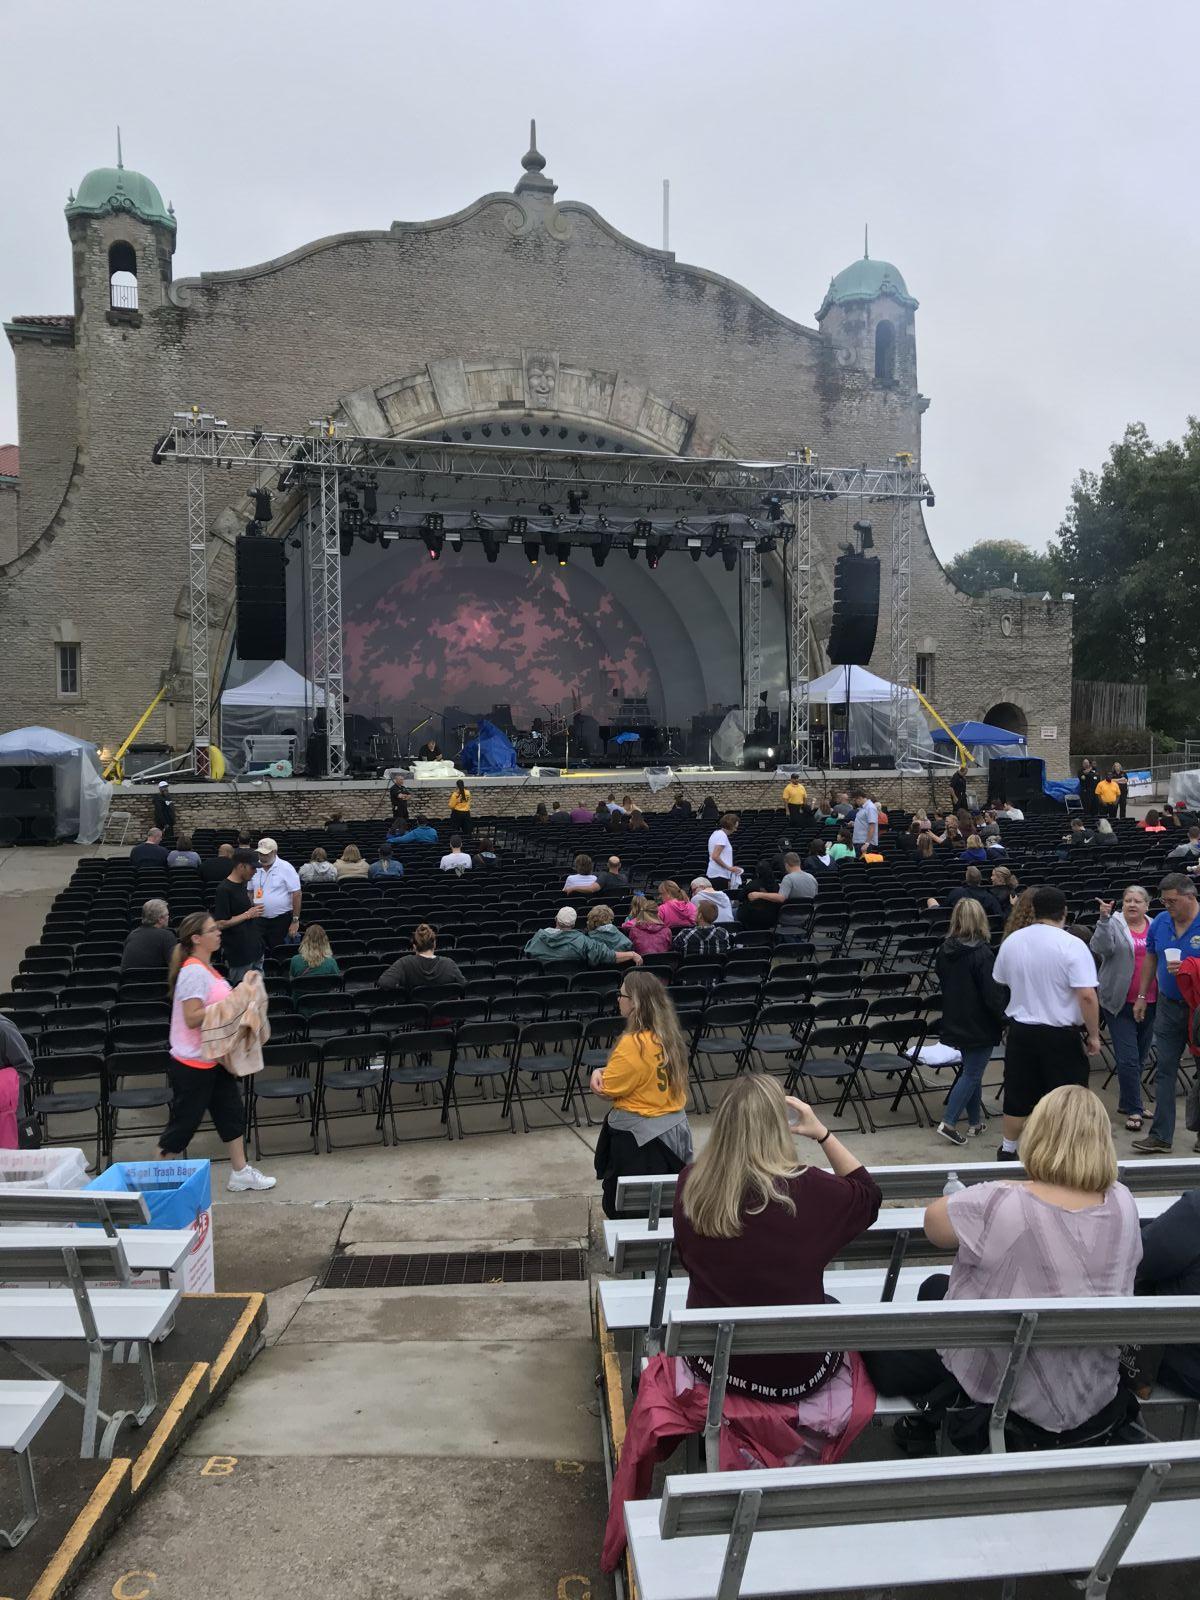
[
  {"x": 9, "y": 508},
  {"x": 261, "y": 810}
]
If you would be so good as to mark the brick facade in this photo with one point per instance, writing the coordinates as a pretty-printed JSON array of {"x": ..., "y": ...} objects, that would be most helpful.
[{"x": 546, "y": 307}]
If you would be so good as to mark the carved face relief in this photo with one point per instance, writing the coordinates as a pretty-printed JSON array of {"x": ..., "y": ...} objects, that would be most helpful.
[{"x": 541, "y": 377}]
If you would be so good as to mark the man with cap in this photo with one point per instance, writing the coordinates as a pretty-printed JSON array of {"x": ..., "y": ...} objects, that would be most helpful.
[
  {"x": 565, "y": 942},
  {"x": 164, "y": 812},
  {"x": 275, "y": 887},
  {"x": 239, "y": 918}
]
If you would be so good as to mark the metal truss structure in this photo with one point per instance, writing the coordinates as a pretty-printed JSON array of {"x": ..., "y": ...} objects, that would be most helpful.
[
  {"x": 505, "y": 476},
  {"x": 901, "y": 669},
  {"x": 752, "y": 667},
  {"x": 197, "y": 530}
]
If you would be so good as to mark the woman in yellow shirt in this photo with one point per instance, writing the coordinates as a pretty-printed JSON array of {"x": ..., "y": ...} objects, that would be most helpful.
[
  {"x": 460, "y": 805},
  {"x": 795, "y": 800},
  {"x": 646, "y": 1079}
]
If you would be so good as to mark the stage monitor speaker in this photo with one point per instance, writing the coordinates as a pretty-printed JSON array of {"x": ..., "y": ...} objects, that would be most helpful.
[
  {"x": 1018, "y": 780},
  {"x": 855, "y": 610},
  {"x": 27, "y": 794},
  {"x": 261, "y": 599}
]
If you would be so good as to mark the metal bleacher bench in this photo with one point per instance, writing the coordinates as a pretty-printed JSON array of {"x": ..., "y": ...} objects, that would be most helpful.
[
  {"x": 24, "y": 1218},
  {"x": 24, "y": 1407},
  {"x": 75, "y": 1310},
  {"x": 879, "y": 1525}
]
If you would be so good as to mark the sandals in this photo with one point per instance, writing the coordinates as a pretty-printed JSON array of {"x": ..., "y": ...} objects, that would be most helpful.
[{"x": 1133, "y": 1124}]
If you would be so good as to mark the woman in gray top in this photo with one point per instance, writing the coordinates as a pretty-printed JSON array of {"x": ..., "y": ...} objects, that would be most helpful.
[
  {"x": 1070, "y": 1232},
  {"x": 1119, "y": 943}
]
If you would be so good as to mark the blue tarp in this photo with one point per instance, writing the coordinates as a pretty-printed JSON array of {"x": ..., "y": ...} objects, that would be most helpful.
[
  {"x": 976, "y": 733},
  {"x": 490, "y": 753}
]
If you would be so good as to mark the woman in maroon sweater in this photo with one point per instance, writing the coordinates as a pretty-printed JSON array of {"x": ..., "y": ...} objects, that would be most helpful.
[{"x": 754, "y": 1226}]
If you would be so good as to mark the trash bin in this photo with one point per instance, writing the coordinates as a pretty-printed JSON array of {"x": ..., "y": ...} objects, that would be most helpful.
[
  {"x": 57, "y": 1168},
  {"x": 178, "y": 1194}
]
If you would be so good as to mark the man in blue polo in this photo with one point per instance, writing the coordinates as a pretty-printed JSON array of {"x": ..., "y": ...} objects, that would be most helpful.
[
  {"x": 866, "y": 821},
  {"x": 1177, "y": 930}
]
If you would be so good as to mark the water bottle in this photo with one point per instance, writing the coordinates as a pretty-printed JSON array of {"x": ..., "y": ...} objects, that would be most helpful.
[{"x": 953, "y": 1184}]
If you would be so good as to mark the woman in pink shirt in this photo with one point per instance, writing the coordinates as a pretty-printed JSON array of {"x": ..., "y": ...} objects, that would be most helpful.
[
  {"x": 1119, "y": 943},
  {"x": 674, "y": 907},
  {"x": 648, "y": 933},
  {"x": 197, "y": 1085}
]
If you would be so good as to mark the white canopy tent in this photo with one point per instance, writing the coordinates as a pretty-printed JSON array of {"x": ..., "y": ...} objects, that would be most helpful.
[
  {"x": 81, "y": 796},
  {"x": 277, "y": 700},
  {"x": 866, "y": 702}
]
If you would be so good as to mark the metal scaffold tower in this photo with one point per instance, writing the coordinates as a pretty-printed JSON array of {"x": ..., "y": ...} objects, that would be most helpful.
[
  {"x": 901, "y": 664},
  {"x": 324, "y": 556},
  {"x": 197, "y": 530},
  {"x": 752, "y": 666}
]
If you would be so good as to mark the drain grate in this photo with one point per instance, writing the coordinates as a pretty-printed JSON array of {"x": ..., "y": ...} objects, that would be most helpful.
[{"x": 440, "y": 1271}]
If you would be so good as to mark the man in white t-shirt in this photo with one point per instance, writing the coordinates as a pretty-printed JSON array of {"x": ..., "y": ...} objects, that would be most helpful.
[
  {"x": 456, "y": 858},
  {"x": 1053, "y": 1011},
  {"x": 276, "y": 888},
  {"x": 721, "y": 872},
  {"x": 583, "y": 880}
]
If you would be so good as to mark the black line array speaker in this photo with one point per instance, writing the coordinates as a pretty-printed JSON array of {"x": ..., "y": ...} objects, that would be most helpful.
[
  {"x": 855, "y": 610},
  {"x": 261, "y": 599},
  {"x": 1019, "y": 780},
  {"x": 27, "y": 805}
]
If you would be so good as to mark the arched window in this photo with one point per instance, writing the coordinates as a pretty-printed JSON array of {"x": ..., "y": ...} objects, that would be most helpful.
[
  {"x": 885, "y": 353},
  {"x": 122, "y": 277}
]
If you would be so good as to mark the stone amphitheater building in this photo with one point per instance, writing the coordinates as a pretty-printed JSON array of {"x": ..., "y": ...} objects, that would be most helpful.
[{"x": 518, "y": 309}]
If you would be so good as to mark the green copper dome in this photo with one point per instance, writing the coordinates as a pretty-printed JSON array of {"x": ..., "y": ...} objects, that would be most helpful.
[
  {"x": 113, "y": 189},
  {"x": 867, "y": 280}
]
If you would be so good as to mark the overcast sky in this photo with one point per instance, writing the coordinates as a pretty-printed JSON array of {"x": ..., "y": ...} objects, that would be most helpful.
[{"x": 1029, "y": 167}]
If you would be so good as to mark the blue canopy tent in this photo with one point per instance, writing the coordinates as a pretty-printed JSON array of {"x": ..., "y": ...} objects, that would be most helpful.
[{"x": 981, "y": 739}]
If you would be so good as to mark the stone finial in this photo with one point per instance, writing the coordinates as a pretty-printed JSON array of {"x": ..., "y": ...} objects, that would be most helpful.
[{"x": 534, "y": 180}]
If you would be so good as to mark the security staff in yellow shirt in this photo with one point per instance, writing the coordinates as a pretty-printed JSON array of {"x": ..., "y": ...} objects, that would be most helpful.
[{"x": 795, "y": 800}]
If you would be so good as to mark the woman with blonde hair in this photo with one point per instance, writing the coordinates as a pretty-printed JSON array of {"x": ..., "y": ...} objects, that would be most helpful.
[
  {"x": 646, "y": 1078},
  {"x": 314, "y": 959},
  {"x": 350, "y": 863},
  {"x": 755, "y": 1225},
  {"x": 974, "y": 1019},
  {"x": 648, "y": 933},
  {"x": 1005, "y": 887},
  {"x": 1071, "y": 1232}
]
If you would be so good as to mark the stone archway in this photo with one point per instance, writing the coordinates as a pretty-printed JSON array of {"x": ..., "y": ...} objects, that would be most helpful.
[{"x": 1008, "y": 716}]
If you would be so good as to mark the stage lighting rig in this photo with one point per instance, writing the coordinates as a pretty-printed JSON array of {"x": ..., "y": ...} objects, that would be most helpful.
[
  {"x": 564, "y": 552},
  {"x": 518, "y": 525},
  {"x": 729, "y": 555},
  {"x": 603, "y": 545},
  {"x": 575, "y": 502},
  {"x": 773, "y": 505},
  {"x": 370, "y": 498},
  {"x": 550, "y": 542},
  {"x": 490, "y": 543},
  {"x": 532, "y": 551},
  {"x": 262, "y": 505},
  {"x": 716, "y": 538},
  {"x": 432, "y": 524},
  {"x": 866, "y": 536}
]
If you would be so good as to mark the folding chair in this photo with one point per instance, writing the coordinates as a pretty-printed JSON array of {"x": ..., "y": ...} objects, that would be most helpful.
[
  {"x": 485, "y": 1052},
  {"x": 347, "y": 1068},
  {"x": 48, "y": 1100},
  {"x": 779, "y": 1030},
  {"x": 536, "y": 1059},
  {"x": 712, "y": 1039},
  {"x": 410, "y": 1061},
  {"x": 901, "y": 1039},
  {"x": 290, "y": 1072},
  {"x": 846, "y": 1045},
  {"x": 596, "y": 1043},
  {"x": 152, "y": 1092}
]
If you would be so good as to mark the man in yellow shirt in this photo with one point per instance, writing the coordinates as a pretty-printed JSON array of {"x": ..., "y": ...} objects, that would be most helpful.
[
  {"x": 1108, "y": 792},
  {"x": 795, "y": 800}
]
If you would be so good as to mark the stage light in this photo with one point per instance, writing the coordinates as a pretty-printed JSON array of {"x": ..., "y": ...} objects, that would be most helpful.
[
  {"x": 345, "y": 542},
  {"x": 564, "y": 553},
  {"x": 432, "y": 524},
  {"x": 643, "y": 528},
  {"x": 252, "y": 530},
  {"x": 865, "y": 534},
  {"x": 655, "y": 545},
  {"x": 486, "y": 431},
  {"x": 695, "y": 549},
  {"x": 454, "y": 539},
  {"x": 388, "y": 537},
  {"x": 773, "y": 504},
  {"x": 729, "y": 555},
  {"x": 490, "y": 543},
  {"x": 631, "y": 550},
  {"x": 370, "y": 497},
  {"x": 545, "y": 510},
  {"x": 767, "y": 546},
  {"x": 532, "y": 551},
  {"x": 518, "y": 524},
  {"x": 716, "y": 538},
  {"x": 601, "y": 548},
  {"x": 262, "y": 505},
  {"x": 575, "y": 502},
  {"x": 550, "y": 542},
  {"x": 929, "y": 500}
]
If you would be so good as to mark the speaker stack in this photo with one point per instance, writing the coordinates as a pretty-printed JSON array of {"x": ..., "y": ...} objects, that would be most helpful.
[
  {"x": 855, "y": 610},
  {"x": 261, "y": 599},
  {"x": 27, "y": 805}
]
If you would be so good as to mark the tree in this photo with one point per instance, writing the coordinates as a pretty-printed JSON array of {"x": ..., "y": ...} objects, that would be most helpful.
[
  {"x": 990, "y": 564},
  {"x": 1129, "y": 550}
]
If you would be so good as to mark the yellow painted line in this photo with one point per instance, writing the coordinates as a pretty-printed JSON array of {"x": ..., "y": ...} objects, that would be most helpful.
[
  {"x": 166, "y": 1423},
  {"x": 615, "y": 1391},
  {"x": 80, "y": 1531},
  {"x": 254, "y": 1304}
]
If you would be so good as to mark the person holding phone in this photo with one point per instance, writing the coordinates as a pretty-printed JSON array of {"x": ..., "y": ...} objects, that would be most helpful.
[{"x": 1174, "y": 937}]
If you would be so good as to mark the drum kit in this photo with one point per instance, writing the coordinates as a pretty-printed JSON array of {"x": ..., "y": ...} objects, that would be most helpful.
[{"x": 545, "y": 743}]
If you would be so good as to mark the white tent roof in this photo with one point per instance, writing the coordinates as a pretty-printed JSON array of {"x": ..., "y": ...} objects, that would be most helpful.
[
  {"x": 34, "y": 747},
  {"x": 276, "y": 685},
  {"x": 830, "y": 688}
]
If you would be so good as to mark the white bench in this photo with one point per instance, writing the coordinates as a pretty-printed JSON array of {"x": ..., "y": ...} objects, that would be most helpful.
[
  {"x": 1013, "y": 1325},
  {"x": 97, "y": 1318},
  {"x": 48, "y": 1216},
  {"x": 880, "y": 1525},
  {"x": 648, "y": 1196},
  {"x": 161, "y": 1250},
  {"x": 24, "y": 1407}
]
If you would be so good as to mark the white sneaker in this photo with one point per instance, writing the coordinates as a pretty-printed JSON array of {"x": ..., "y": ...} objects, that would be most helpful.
[{"x": 249, "y": 1178}]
